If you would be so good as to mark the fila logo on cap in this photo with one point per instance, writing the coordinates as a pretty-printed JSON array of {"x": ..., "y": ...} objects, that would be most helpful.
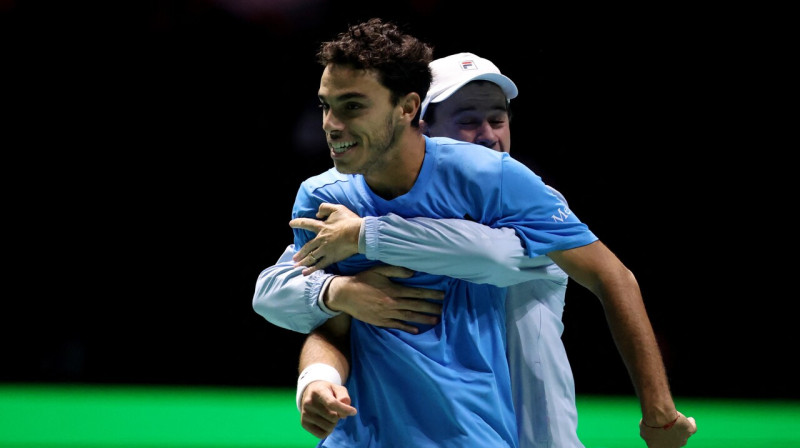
[{"x": 468, "y": 65}]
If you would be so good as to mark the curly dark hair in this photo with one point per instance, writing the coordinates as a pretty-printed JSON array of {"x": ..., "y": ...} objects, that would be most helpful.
[{"x": 399, "y": 59}]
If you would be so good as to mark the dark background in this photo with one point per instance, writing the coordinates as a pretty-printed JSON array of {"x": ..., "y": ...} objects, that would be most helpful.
[{"x": 154, "y": 149}]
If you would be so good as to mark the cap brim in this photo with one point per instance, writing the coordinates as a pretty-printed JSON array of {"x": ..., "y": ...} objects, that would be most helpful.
[{"x": 505, "y": 83}]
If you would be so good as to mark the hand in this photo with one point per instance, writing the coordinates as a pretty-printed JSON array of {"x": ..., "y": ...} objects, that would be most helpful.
[
  {"x": 675, "y": 436},
  {"x": 322, "y": 406},
  {"x": 370, "y": 296},
  {"x": 337, "y": 232}
]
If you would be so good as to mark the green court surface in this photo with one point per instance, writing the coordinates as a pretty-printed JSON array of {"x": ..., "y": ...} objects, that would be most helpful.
[{"x": 86, "y": 416}]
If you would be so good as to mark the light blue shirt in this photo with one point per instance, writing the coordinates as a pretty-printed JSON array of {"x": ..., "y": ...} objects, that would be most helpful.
[{"x": 451, "y": 383}]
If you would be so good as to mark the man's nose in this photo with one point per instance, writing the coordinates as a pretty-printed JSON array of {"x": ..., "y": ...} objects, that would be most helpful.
[
  {"x": 485, "y": 135},
  {"x": 330, "y": 122}
]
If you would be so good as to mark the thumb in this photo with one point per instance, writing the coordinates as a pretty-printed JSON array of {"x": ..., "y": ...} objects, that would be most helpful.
[
  {"x": 325, "y": 210},
  {"x": 345, "y": 411},
  {"x": 342, "y": 406}
]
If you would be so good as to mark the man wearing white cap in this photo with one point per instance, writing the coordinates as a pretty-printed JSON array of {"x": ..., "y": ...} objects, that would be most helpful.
[
  {"x": 468, "y": 100},
  {"x": 477, "y": 112}
]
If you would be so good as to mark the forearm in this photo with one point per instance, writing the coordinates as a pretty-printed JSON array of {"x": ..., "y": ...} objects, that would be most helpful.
[
  {"x": 329, "y": 344},
  {"x": 595, "y": 267},
  {"x": 634, "y": 337},
  {"x": 288, "y": 299},
  {"x": 453, "y": 247},
  {"x": 321, "y": 396}
]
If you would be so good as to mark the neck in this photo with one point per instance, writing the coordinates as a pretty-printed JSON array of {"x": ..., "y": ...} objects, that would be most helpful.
[{"x": 400, "y": 169}]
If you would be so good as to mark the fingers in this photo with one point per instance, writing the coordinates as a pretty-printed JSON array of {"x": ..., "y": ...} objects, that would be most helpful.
[
  {"x": 421, "y": 293},
  {"x": 326, "y": 209},
  {"x": 307, "y": 256},
  {"x": 317, "y": 420},
  {"x": 693, "y": 427},
  {"x": 323, "y": 405},
  {"x": 419, "y": 318},
  {"x": 404, "y": 327},
  {"x": 311, "y": 259},
  {"x": 399, "y": 291},
  {"x": 392, "y": 271},
  {"x": 410, "y": 308},
  {"x": 676, "y": 435},
  {"x": 309, "y": 224},
  {"x": 413, "y": 311},
  {"x": 342, "y": 406},
  {"x": 317, "y": 430},
  {"x": 336, "y": 239},
  {"x": 406, "y": 321},
  {"x": 315, "y": 264}
]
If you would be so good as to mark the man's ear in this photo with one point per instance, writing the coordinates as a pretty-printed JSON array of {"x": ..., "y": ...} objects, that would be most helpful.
[{"x": 411, "y": 104}]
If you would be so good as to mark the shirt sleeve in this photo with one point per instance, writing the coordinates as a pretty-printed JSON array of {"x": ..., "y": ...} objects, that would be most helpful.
[
  {"x": 539, "y": 215},
  {"x": 287, "y": 298},
  {"x": 453, "y": 247}
]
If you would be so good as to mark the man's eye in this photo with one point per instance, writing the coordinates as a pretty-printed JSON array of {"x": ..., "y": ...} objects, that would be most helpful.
[
  {"x": 324, "y": 107},
  {"x": 353, "y": 106}
]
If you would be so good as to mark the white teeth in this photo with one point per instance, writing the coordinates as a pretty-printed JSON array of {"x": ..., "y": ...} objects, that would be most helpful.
[{"x": 341, "y": 147}]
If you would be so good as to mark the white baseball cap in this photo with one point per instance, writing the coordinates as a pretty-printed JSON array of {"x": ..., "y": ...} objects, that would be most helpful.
[{"x": 450, "y": 73}]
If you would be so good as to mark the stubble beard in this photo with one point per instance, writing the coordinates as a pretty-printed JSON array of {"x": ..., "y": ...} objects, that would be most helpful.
[{"x": 380, "y": 145}]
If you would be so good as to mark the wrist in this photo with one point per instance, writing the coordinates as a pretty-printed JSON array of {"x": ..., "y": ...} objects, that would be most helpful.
[
  {"x": 316, "y": 372},
  {"x": 324, "y": 297},
  {"x": 666, "y": 426},
  {"x": 362, "y": 237},
  {"x": 329, "y": 296}
]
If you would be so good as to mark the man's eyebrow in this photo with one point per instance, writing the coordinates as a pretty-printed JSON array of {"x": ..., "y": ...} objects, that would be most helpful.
[
  {"x": 472, "y": 107},
  {"x": 466, "y": 108},
  {"x": 344, "y": 96}
]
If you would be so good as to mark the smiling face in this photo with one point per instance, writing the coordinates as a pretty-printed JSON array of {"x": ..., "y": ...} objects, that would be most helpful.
[
  {"x": 476, "y": 113},
  {"x": 359, "y": 119}
]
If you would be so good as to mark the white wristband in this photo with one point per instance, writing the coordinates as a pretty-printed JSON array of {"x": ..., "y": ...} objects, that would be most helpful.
[{"x": 316, "y": 372}]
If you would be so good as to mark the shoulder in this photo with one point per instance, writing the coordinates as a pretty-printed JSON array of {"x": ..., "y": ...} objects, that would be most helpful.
[
  {"x": 557, "y": 194},
  {"x": 464, "y": 156},
  {"x": 329, "y": 186},
  {"x": 449, "y": 146},
  {"x": 326, "y": 178}
]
